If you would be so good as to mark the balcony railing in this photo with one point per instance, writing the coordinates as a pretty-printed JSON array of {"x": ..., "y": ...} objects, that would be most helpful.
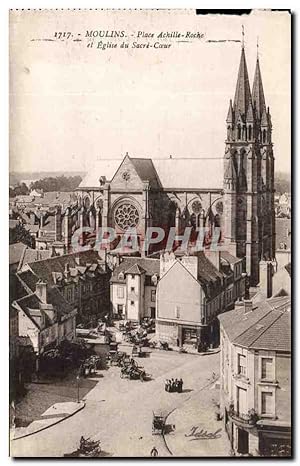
[{"x": 248, "y": 419}]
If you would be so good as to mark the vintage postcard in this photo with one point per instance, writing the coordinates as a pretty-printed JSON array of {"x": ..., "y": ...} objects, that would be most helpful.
[{"x": 150, "y": 233}]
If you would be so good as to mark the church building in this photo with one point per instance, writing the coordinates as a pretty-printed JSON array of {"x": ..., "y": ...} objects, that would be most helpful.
[{"x": 234, "y": 192}]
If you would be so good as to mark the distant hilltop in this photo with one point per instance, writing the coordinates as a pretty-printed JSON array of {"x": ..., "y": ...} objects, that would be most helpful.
[{"x": 16, "y": 178}]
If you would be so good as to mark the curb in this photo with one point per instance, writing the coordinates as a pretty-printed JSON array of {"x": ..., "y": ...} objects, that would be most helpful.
[
  {"x": 50, "y": 425},
  {"x": 210, "y": 383}
]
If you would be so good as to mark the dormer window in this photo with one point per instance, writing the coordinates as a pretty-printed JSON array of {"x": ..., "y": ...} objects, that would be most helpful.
[{"x": 121, "y": 276}]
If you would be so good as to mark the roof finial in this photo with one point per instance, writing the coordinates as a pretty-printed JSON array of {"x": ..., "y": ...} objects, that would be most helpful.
[
  {"x": 257, "y": 47},
  {"x": 243, "y": 37}
]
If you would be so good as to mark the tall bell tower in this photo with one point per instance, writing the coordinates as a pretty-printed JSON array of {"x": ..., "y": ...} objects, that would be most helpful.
[{"x": 249, "y": 174}]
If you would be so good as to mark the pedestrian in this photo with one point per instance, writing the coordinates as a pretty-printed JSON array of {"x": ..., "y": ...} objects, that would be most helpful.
[
  {"x": 172, "y": 385},
  {"x": 176, "y": 385},
  {"x": 154, "y": 452},
  {"x": 180, "y": 385}
]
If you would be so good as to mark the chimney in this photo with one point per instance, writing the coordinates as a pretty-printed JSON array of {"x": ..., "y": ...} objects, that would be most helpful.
[
  {"x": 248, "y": 305},
  {"x": 41, "y": 220},
  {"x": 41, "y": 290},
  {"x": 266, "y": 278},
  {"x": 58, "y": 224}
]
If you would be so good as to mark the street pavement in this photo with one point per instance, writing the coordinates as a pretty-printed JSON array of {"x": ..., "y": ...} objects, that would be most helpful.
[{"x": 119, "y": 412}]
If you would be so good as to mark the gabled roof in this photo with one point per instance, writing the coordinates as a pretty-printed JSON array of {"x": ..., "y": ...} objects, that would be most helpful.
[
  {"x": 267, "y": 326},
  {"x": 169, "y": 173},
  {"x": 135, "y": 269},
  {"x": 146, "y": 171}
]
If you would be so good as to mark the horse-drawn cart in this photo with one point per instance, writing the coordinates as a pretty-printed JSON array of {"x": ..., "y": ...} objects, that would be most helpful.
[
  {"x": 158, "y": 423},
  {"x": 133, "y": 373}
]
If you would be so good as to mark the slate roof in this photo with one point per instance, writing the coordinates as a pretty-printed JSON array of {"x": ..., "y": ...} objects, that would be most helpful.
[
  {"x": 149, "y": 266},
  {"x": 170, "y": 173},
  {"x": 267, "y": 326},
  {"x": 190, "y": 173},
  {"x": 103, "y": 167},
  {"x": 15, "y": 252},
  {"x": 32, "y": 255},
  {"x": 207, "y": 272},
  {"x": 135, "y": 269},
  {"x": 43, "y": 269},
  {"x": 146, "y": 171}
]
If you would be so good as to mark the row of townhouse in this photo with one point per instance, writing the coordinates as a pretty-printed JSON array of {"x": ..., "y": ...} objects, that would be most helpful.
[{"x": 184, "y": 293}]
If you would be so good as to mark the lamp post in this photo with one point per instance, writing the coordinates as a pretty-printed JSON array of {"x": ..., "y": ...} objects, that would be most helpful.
[{"x": 77, "y": 381}]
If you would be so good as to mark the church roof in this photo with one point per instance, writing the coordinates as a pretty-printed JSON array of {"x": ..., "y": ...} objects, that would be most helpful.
[
  {"x": 103, "y": 167},
  {"x": 193, "y": 173},
  {"x": 242, "y": 93},
  {"x": 146, "y": 171},
  {"x": 170, "y": 173}
]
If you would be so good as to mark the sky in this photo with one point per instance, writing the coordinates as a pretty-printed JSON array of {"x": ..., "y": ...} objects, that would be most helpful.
[{"x": 71, "y": 105}]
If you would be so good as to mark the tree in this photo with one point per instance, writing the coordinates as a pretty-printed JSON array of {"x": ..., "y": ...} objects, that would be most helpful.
[
  {"x": 58, "y": 183},
  {"x": 20, "y": 234}
]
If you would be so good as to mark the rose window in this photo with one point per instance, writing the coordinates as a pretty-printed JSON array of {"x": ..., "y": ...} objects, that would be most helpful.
[
  {"x": 126, "y": 216},
  {"x": 196, "y": 207}
]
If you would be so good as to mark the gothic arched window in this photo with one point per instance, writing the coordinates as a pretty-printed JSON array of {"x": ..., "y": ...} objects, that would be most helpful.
[
  {"x": 264, "y": 135},
  {"x": 250, "y": 132},
  {"x": 239, "y": 132}
]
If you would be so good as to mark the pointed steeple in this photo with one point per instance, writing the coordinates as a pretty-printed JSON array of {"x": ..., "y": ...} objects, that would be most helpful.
[
  {"x": 229, "y": 118},
  {"x": 242, "y": 93},
  {"x": 258, "y": 97}
]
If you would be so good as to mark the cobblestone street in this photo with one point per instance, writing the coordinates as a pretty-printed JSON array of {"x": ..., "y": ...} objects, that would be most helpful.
[{"x": 119, "y": 411}]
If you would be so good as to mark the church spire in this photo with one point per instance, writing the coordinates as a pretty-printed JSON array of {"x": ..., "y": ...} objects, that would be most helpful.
[
  {"x": 258, "y": 97},
  {"x": 242, "y": 93}
]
